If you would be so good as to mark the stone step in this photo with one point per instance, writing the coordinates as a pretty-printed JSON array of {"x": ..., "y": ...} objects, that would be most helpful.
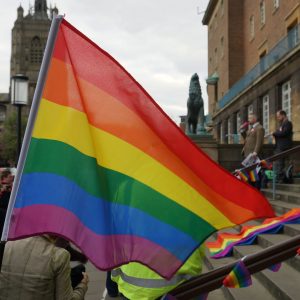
[
  {"x": 286, "y": 187},
  {"x": 286, "y": 196},
  {"x": 283, "y": 285},
  {"x": 281, "y": 207},
  {"x": 218, "y": 294},
  {"x": 297, "y": 180},
  {"x": 267, "y": 285},
  {"x": 255, "y": 291},
  {"x": 291, "y": 229},
  {"x": 267, "y": 240}
]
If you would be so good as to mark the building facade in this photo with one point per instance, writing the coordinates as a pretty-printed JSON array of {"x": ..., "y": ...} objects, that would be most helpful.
[
  {"x": 28, "y": 41},
  {"x": 29, "y": 36},
  {"x": 253, "y": 64}
]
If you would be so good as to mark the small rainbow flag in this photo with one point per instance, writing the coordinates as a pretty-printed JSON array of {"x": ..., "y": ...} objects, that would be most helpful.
[
  {"x": 253, "y": 175},
  {"x": 239, "y": 277},
  {"x": 275, "y": 267},
  {"x": 243, "y": 175}
]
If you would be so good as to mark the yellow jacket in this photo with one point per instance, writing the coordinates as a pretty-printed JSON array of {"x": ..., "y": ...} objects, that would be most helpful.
[{"x": 136, "y": 281}]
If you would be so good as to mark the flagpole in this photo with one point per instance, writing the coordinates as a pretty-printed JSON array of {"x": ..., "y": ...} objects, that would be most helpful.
[{"x": 31, "y": 119}]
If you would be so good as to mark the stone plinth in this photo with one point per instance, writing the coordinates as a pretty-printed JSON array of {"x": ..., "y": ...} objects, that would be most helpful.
[{"x": 206, "y": 143}]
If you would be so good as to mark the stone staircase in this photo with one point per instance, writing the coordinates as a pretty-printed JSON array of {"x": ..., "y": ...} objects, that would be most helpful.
[{"x": 281, "y": 285}]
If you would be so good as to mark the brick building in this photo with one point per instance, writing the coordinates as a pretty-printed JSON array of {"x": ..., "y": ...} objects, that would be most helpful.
[{"x": 253, "y": 63}]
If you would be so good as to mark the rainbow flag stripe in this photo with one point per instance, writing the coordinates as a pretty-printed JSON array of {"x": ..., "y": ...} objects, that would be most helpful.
[
  {"x": 244, "y": 175},
  {"x": 226, "y": 241},
  {"x": 239, "y": 277},
  {"x": 253, "y": 175},
  {"x": 108, "y": 170}
]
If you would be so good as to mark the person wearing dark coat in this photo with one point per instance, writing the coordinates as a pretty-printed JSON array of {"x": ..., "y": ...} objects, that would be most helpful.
[{"x": 283, "y": 141}]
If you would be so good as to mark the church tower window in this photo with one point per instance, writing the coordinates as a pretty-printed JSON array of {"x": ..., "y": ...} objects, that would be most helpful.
[{"x": 36, "y": 53}]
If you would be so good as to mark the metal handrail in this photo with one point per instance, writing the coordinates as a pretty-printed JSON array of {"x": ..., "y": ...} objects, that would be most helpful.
[
  {"x": 256, "y": 262},
  {"x": 272, "y": 158}
]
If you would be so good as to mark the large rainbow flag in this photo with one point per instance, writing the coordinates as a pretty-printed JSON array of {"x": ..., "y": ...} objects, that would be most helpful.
[{"x": 107, "y": 169}]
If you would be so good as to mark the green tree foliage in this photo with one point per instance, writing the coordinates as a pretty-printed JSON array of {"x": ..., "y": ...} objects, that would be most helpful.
[{"x": 8, "y": 138}]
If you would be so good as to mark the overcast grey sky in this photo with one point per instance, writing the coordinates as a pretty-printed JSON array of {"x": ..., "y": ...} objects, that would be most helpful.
[{"x": 160, "y": 42}]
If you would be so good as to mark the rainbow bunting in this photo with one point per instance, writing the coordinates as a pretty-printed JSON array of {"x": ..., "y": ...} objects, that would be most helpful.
[
  {"x": 239, "y": 277},
  {"x": 107, "y": 169},
  {"x": 226, "y": 241}
]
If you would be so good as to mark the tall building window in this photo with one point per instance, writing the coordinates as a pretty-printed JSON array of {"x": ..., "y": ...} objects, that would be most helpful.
[
  {"x": 252, "y": 32},
  {"x": 250, "y": 109},
  {"x": 276, "y": 3},
  {"x": 286, "y": 98},
  {"x": 36, "y": 51},
  {"x": 222, "y": 7},
  {"x": 229, "y": 131},
  {"x": 238, "y": 121},
  {"x": 262, "y": 10},
  {"x": 216, "y": 57},
  {"x": 216, "y": 21},
  {"x": 262, "y": 61},
  {"x": 238, "y": 125},
  {"x": 221, "y": 133},
  {"x": 265, "y": 112},
  {"x": 293, "y": 35},
  {"x": 222, "y": 46}
]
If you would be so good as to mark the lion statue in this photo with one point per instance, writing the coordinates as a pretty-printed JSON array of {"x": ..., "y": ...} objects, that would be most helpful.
[{"x": 195, "y": 106}]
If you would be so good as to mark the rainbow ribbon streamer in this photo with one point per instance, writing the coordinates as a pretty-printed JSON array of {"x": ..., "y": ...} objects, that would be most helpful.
[
  {"x": 226, "y": 241},
  {"x": 239, "y": 277}
]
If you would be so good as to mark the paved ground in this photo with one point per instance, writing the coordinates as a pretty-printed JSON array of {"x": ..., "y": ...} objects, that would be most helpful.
[{"x": 96, "y": 290}]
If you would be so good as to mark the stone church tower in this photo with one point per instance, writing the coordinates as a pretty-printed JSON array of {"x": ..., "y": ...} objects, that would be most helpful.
[{"x": 29, "y": 36}]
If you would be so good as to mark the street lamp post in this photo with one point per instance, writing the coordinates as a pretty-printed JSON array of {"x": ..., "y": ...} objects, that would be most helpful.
[{"x": 19, "y": 98}]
